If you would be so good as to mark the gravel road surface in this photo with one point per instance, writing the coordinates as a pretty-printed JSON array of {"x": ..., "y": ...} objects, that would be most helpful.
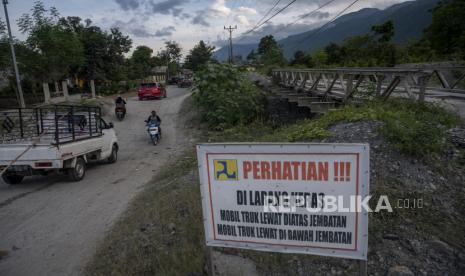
[{"x": 52, "y": 226}]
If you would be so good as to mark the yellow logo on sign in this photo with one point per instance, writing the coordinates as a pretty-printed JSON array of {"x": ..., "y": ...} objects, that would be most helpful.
[{"x": 225, "y": 169}]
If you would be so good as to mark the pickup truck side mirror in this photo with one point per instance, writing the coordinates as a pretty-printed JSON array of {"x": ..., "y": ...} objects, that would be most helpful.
[{"x": 110, "y": 125}]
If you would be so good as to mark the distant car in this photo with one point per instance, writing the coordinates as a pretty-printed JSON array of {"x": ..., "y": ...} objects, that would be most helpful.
[
  {"x": 151, "y": 90},
  {"x": 185, "y": 83},
  {"x": 173, "y": 80}
]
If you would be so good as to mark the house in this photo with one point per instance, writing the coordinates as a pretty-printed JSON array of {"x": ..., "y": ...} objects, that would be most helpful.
[
  {"x": 187, "y": 73},
  {"x": 158, "y": 74}
]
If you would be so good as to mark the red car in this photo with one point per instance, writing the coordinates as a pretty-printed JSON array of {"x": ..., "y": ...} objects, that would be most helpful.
[{"x": 151, "y": 90}]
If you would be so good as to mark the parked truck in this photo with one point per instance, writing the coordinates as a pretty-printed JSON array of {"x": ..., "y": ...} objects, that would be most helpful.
[{"x": 59, "y": 138}]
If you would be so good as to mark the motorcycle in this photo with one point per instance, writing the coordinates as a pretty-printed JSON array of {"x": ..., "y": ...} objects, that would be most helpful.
[
  {"x": 153, "y": 128},
  {"x": 120, "y": 112}
]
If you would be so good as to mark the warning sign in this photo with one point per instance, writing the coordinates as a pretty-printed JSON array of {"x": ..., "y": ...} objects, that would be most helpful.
[{"x": 294, "y": 198}]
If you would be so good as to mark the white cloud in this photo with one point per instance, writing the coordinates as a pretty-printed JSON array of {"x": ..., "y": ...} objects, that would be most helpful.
[
  {"x": 219, "y": 8},
  {"x": 243, "y": 20},
  {"x": 246, "y": 10}
]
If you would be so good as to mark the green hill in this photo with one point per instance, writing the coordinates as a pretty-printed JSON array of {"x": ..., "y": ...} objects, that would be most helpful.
[{"x": 410, "y": 18}]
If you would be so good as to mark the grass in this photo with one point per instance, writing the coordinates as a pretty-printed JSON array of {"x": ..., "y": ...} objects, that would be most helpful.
[
  {"x": 162, "y": 232},
  {"x": 412, "y": 128}
]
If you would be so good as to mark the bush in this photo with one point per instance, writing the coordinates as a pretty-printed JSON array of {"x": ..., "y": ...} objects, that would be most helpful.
[
  {"x": 226, "y": 97},
  {"x": 414, "y": 128},
  {"x": 111, "y": 89}
]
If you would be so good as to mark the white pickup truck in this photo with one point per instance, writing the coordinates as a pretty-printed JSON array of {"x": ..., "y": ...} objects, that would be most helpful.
[{"x": 60, "y": 138}]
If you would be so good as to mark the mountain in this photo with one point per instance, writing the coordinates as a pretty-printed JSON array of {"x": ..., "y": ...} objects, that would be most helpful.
[{"x": 410, "y": 18}]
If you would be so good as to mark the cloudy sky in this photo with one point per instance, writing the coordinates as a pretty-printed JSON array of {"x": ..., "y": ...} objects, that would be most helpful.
[{"x": 151, "y": 22}]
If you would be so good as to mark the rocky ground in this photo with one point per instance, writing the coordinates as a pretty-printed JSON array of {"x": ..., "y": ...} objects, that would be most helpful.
[
  {"x": 425, "y": 239},
  {"x": 410, "y": 241}
]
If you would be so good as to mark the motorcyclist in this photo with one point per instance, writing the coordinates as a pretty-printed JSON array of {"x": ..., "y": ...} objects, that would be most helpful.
[
  {"x": 154, "y": 118},
  {"x": 120, "y": 102}
]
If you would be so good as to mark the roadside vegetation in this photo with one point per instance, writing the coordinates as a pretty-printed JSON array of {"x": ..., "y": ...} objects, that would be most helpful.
[{"x": 226, "y": 96}]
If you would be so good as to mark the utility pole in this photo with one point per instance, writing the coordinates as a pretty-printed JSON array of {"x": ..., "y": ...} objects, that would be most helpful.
[
  {"x": 230, "y": 29},
  {"x": 19, "y": 95}
]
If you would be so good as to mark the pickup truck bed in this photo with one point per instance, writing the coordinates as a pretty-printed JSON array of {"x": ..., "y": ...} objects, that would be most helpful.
[
  {"x": 47, "y": 152},
  {"x": 60, "y": 138}
]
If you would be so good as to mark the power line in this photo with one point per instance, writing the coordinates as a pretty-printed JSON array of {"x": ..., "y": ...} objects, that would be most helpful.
[
  {"x": 276, "y": 13},
  {"x": 304, "y": 15},
  {"x": 266, "y": 14},
  {"x": 300, "y": 18},
  {"x": 327, "y": 23}
]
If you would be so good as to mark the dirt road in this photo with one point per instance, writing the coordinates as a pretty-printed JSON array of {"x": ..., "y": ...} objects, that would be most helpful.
[{"x": 51, "y": 226}]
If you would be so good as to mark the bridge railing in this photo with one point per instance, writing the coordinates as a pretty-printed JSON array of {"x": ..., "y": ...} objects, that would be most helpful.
[{"x": 340, "y": 84}]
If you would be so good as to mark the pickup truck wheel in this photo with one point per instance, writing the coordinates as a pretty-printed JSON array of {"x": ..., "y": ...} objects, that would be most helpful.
[
  {"x": 114, "y": 155},
  {"x": 77, "y": 173},
  {"x": 12, "y": 179}
]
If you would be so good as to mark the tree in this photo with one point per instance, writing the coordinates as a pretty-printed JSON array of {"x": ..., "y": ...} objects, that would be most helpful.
[
  {"x": 385, "y": 31},
  {"x": 319, "y": 57},
  {"x": 57, "y": 50},
  {"x": 118, "y": 45},
  {"x": 447, "y": 30},
  {"x": 4, "y": 49},
  {"x": 384, "y": 50},
  {"x": 252, "y": 56},
  {"x": 141, "y": 62},
  {"x": 301, "y": 59},
  {"x": 270, "y": 52},
  {"x": 199, "y": 55},
  {"x": 358, "y": 51},
  {"x": 2, "y": 29},
  {"x": 170, "y": 56},
  {"x": 173, "y": 51},
  {"x": 334, "y": 53},
  {"x": 95, "y": 43},
  {"x": 419, "y": 51},
  {"x": 103, "y": 52}
]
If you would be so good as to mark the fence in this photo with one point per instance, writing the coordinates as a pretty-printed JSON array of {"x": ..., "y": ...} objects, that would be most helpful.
[{"x": 56, "y": 124}]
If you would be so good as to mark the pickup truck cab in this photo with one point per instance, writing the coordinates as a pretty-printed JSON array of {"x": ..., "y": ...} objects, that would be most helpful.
[
  {"x": 54, "y": 139},
  {"x": 151, "y": 90}
]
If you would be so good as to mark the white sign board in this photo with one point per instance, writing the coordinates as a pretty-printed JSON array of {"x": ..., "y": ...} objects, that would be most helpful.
[{"x": 281, "y": 197}]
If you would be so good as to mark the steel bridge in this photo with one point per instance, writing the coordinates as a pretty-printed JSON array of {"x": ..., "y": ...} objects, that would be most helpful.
[{"x": 323, "y": 89}]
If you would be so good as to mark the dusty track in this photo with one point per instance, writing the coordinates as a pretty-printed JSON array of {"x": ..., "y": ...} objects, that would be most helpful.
[{"x": 51, "y": 226}]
